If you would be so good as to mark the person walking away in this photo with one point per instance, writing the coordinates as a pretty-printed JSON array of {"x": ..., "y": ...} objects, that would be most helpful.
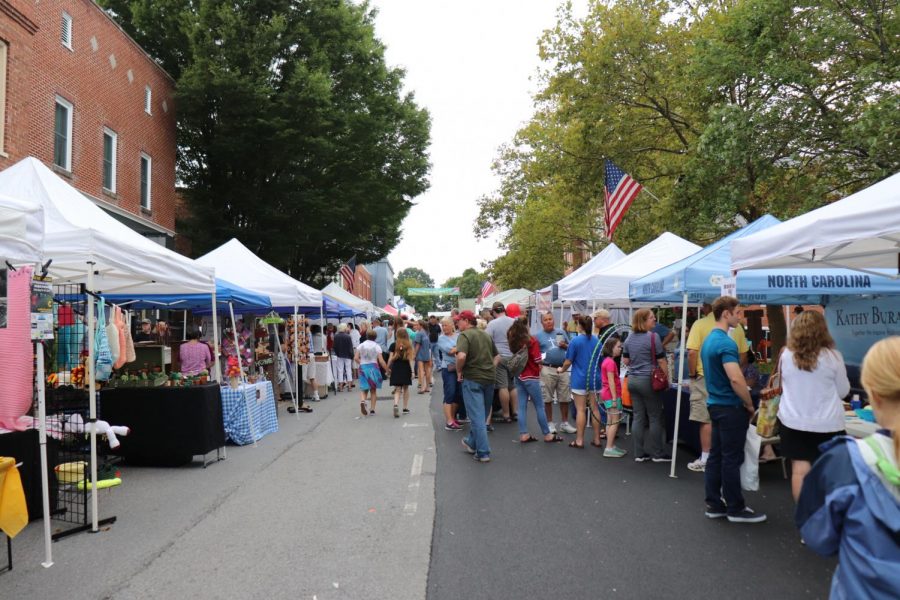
[
  {"x": 554, "y": 342},
  {"x": 317, "y": 348},
  {"x": 504, "y": 383},
  {"x": 528, "y": 383},
  {"x": 582, "y": 356},
  {"x": 476, "y": 361},
  {"x": 446, "y": 355},
  {"x": 400, "y": 367},
  {"x": 641, "y": 352},
  {"x": 730, "y": 409},
  {"x": 343, "y": 357},
  {"x": 368, "y": 355},
  {"x": 813, "y": 382},
  {"x": 850, "y": 501},
  {"x": 611, "y": 395},
  {"x": 423, "y": 356},
  {"x": 699, "y": 330},
  {"x": 195, "y": 357}
]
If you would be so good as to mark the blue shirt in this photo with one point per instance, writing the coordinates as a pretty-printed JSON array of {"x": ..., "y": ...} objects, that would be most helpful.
[
  {"x": 424, "y": 343},
  {"x": 580, "y": 351},
  {"x": 444, "y": 344},
  {"x": 717, "y": 350},
  {"x": 553, "y": 354},
  {"x": 661, "y": 330},
  {"x": 381, "y": 338}
]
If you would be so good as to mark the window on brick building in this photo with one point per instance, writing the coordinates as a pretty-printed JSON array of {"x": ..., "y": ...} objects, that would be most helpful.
[
  {"x": 110, "y": 150},
  {"x": 2, "y": 95},
  {"x": 62, "y": 135},
  {"x": 146, "y": 171},
  {"x": 66, "y": 31},
  {"x": 148, "y": 100}
]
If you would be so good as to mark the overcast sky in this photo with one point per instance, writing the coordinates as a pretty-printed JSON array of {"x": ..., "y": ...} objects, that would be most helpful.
[{"x": 473, "y": 65}]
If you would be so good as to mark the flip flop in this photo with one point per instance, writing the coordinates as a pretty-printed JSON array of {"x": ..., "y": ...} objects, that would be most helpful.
[
  {"x": 596, "y": 445},
  {"x": 530, "y": 439},
  {"x": 574, "y": 444},
  {"x": 554, "y": 439}
]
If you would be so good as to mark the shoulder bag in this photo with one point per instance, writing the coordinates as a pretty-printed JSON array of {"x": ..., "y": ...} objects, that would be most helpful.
[
  {"x": 769, "y": 399},
  {"x": 659, "y": 380}
]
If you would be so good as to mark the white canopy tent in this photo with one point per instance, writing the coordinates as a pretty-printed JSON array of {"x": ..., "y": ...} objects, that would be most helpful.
[
  {"x": 518, "y": 295},
  {"x": 576, "y": 285},
  {"x": 21, "y": 230},
  {"x": 336, "y": 292},
  {"x": 861, "y": 232}
]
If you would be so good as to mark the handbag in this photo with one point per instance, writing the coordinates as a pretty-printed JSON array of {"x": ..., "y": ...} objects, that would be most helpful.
[
  {"x": 769, "y": 399},
  {"x": 659, "y": 380},
  {"x": 103, "y": 361},
  {"x": 517, "y": 362}
]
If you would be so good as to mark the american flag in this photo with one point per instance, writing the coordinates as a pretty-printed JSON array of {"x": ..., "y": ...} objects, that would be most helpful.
[
  {"x": 488, "y": 289},
  {"x": 348, "y": 271},
  {"x": 620, "y": 191}
]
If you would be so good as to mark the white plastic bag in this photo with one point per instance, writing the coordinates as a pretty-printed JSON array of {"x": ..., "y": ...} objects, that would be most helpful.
[{"x": 750, "y": 468}]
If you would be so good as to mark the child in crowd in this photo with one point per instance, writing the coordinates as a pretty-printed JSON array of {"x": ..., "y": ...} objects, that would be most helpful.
[
  {"x": 400, "y": 367},
  {"x": 611, "y": 395}
]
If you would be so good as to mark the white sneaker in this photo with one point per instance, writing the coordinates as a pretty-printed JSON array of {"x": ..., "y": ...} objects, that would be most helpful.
[
  {"x": 566, "y": 427},
  {"x": 697, "y": 466},
  {"x": 552, "y": 427}
]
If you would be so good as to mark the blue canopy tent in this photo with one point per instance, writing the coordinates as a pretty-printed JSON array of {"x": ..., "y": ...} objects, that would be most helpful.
[{"x": 225, "y": 292}]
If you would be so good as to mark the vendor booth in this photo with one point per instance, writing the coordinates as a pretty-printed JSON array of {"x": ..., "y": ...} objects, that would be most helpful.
[{"x": 360, "y": 306}]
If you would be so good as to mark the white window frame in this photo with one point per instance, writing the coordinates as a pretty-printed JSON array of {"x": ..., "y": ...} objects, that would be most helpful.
[
  {"x": 66, "y": 20},
  {"x": 115, "y": 157},
  {"x": 149, "y": 182},
  {"x": 70, "y": 111},
  {"x": 148, "y": 100}
]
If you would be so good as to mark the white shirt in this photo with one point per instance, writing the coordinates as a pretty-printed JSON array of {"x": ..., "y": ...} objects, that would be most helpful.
[
  {"x": 354, "y": 337},
  {"x": 811, "y": 400},
  {"x": 369, "y": 352}
]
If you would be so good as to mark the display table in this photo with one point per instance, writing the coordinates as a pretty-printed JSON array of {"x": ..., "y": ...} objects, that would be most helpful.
[
  {"x": 249, "y": 412},
  {"x": 24, "y": 447},
  {"x": 169, "y": 425}
]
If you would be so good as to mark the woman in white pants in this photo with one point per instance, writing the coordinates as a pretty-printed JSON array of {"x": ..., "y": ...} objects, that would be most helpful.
[{"x": 343, "y": 358}]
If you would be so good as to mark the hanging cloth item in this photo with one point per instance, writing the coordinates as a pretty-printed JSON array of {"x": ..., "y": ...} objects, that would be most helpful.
[
  {"x": 130, "y": 356},
  {"x": 112, "y": 336},
  {"x": 16, "y": 366},
  {"x": 103, "y": 357},
  {"x": 123, "y": 344}
]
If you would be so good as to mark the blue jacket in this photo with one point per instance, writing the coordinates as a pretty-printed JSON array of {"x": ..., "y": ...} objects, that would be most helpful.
[{"x": 846, "y": 508}]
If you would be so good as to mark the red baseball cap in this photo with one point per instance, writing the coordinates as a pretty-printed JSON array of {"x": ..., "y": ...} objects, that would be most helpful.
[
  {"x": 513, "y": 310},
  {"x": 468, "y": 315}
]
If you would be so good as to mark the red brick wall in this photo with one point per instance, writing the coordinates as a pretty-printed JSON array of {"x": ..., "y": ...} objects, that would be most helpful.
[
  {"x": 102, "y": 96},
  {"x": 362, "y": 285}
]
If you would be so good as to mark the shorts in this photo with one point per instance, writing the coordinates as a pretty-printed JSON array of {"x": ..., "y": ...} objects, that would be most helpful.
[
  {"x": 580, "y": 392},
  {"x": 502, "y": 377},
  {"x": 554, "y": 383},
  {"x": 802, "y": 445},
  {"x": 699, "y": 396}
]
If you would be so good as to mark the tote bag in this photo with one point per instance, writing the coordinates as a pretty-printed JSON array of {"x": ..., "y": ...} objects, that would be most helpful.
[{"x": 103, "y": 361}]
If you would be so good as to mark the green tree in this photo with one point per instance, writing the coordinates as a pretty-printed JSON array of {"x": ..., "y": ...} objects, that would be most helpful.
[
  {"x": 291, "y": 127},
  {"x": 413, "y": 277},
  {"x": 469, "y": 283}
]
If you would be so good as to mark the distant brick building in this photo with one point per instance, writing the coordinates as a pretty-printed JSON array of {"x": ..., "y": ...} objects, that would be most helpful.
[
  {"x": 362, "y": 284},
  {"x": 77, "y": 93}
]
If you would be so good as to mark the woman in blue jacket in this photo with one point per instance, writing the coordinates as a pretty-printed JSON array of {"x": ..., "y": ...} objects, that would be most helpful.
[{"x": 850, "y": 501}]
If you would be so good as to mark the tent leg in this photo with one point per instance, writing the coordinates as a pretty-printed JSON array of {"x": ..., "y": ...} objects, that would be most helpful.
[
  {"x": 184, "y": 329},
  {"x": 297, "y": 400},
  {"x": 92, "y": 395},
  {"x": 237, "y": 351},
  {"x": 678, "y": 393},
  {"x": 217, "y": 377},
  {"x": 42, "y": 426}
]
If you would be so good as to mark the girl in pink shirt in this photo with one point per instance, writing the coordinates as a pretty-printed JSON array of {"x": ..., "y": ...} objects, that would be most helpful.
[{"x": 611, "y": 395}]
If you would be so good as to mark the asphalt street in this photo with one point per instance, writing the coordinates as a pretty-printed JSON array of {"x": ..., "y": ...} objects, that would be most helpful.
[{"x": 548, "y": 521}]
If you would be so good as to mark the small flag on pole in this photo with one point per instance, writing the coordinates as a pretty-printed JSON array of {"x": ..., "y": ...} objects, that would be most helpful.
[
  {"x": 487, "y": 289},
  {"x": 348, "y": 272},
  {"x": 620, "y": 191}
]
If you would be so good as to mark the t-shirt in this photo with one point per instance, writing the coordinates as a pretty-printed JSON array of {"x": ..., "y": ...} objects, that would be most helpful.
[
  {"x": 811, "y": 400},
  {"x": 381, "y": 338},
  {"x": 606, "y": 367},
  {"x": 424, "y": 353},
  {"x": 637, "y": 350},
  {"x": 194, "y": 357},
  {"x": 446, "y": 343},
  {"x": 661, "y": 330},
  {"x": 480, "y": 351},
  {"x": 369, "y": 352},
  {"x": 717, "y": 350},
  {"x": 580, "y": 351},
  {"x": 553, "y": 354},
  {"x": 702, "y": 327},
  {"x": 497, "y": 329},
  {"x": 434, "y": 332},
  {"x": 355, "y": 337},
  {"x": 532, "y": 368}
]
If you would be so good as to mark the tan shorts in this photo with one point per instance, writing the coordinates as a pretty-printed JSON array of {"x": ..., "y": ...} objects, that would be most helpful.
[
  {"x": 699, "y": 395},
  {"x": 503, "y": 379},
  {"x": 554, "y": 384}
]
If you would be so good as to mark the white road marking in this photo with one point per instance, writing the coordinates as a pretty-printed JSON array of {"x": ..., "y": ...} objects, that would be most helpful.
[
  {"x": 412, "y": 490},
  {"x": 408, "y": 424}
]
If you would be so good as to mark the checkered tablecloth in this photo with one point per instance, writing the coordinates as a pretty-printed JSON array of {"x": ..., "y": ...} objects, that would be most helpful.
[{"x": 260, "y": 400}]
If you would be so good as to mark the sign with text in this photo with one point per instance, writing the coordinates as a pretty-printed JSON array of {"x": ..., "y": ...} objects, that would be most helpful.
[{"x": 856, "y": 324}]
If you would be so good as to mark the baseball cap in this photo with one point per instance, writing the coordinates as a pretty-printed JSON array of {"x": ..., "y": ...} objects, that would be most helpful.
[
  {"x": 468, "y": 315},
  {"x": 513, "y": 310},
  {"x": 498, "y": 307},
  {"x": 147, "y": 321}
]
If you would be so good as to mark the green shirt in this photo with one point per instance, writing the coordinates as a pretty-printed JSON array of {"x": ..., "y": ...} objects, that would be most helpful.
[{"x": 480, "y": 351}]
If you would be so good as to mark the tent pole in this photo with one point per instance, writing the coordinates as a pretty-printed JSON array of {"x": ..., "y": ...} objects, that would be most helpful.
[
  {"x": 42, "y": 428},
  {"x": 684, "y": 306},
  {"x": 215, "y": 326},
  {"x": 184, "y": 330},
  {"x": 298, "y": 400},
  {"x": 92, "y": 395},
  {"x": 237, "y": 351}
]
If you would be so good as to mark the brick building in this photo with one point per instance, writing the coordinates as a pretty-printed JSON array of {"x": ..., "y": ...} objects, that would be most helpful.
[
  {"x": 77, "y": 93},
  {"x": 362, "y": 283}
]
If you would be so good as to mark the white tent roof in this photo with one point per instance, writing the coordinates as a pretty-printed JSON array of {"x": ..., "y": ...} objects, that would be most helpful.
[
  {"x": 576, "y": 284},
  {"x": 336, "y": 292},
  {"x": 611, "y": 283},
  {"x": 235, "y": 262},
  {"x": 519, "y": 296},
  {"x": 861, "y": 231},
  {"x": 77, "y": 231},
  {"x": 21, "y": 230}
]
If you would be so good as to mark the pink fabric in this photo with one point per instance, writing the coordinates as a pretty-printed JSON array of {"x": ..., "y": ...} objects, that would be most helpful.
[
  {"x": 16, "y": 353},
  {"x": 119, "y": 321},
  {"x": 195, "y": 357},
  {"x": 606, "y": 367},
  {"x": 130, "y": 356}
]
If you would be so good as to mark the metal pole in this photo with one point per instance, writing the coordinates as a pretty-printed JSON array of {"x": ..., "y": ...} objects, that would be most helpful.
[
  {"x": 244, "y": 390},
  {"x": 92, "y": 396},
  {"x": 42, "y": 428},
  {"x": 215, "y": 325},
  {"x": 684, "y": 305},
  {"x": 298, "y": 399},
  {"x": 184, "y": 330}
]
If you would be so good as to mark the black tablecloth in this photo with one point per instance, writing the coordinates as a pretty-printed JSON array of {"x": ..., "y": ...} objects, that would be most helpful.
[
  {"x": 25, "y": 448},
  {"x": 169, "y": 425}
]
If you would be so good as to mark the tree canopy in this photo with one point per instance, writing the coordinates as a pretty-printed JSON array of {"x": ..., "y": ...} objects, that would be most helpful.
[
  {"x": 724, "y": 109},
  {"x": 293, "y": 133}
]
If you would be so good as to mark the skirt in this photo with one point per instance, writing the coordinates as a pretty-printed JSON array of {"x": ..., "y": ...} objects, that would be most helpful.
[
  {"x": 401, "y": 374},
  {"x": 369, "y": 377},
  {"x": 802, "y": 445}
]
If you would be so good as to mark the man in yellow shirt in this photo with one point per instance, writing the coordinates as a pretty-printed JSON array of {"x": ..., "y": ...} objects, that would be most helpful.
[{"x": 699, "y": 413}]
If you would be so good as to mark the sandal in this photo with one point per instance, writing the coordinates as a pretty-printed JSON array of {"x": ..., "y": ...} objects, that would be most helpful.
[
  {"x": 362, "y": 409},
  {"x": 530, "y": 439},
  {"x": 574, "y": 444},
  {"x": 597, "y": 445},
  {"x": 554, "y": 439},
  {"x": 506, "y": 420}
]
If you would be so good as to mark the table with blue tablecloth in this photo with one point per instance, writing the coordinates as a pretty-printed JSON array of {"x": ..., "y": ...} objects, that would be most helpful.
[{"x": 249, "y": 412}]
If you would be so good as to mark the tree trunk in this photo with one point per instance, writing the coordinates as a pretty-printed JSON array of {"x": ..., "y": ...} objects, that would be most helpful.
[{"x": 777, "y": 328}]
